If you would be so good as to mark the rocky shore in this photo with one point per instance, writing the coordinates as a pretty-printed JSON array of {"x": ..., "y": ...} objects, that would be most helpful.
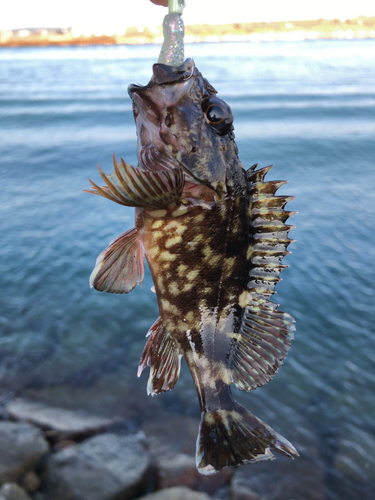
[{"x": 50, "y": 453}]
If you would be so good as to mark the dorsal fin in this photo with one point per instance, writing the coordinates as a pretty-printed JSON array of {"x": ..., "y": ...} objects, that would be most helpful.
[{"x": 264, "y": 337}]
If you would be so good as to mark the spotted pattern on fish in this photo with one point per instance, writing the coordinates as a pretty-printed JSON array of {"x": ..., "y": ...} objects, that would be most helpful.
[{"x": 214, "y": 237}]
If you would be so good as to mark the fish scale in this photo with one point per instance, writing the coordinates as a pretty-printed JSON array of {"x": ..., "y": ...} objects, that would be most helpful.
[{"x": 214, "y": 236}]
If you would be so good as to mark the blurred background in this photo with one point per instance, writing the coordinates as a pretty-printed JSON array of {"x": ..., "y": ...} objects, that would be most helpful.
[{"x": 308, "y": 107}]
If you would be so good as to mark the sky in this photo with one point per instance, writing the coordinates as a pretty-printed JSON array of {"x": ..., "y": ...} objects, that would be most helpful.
[{"x": 123, "y": 13}]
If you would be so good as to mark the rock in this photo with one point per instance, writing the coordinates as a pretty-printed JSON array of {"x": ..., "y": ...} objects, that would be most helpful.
[
  {"x": 39, "y": 496},
  {"x": 60, "y": 423},
  {"x": 105, "y": 467},
  {"x": 22, "y": 447},
  {"x": 177, "y": 470},
  {"x": 240, "y": 491},
  {"x": 177, "y": 493},
  {"x": 11, "y": 491},
  {"x": 175, "y": 454},
  {"x": 31, "y": 482}
]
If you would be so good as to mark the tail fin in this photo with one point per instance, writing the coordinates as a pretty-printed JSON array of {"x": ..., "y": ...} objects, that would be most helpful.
[{"x": 228, "y": 438}]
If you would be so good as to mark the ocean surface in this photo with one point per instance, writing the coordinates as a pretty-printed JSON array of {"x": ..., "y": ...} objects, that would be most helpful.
[{"x": 306, "y": 107}]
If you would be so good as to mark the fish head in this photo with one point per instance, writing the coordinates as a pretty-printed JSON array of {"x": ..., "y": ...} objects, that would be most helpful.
[{"x": 181, "y": 123}]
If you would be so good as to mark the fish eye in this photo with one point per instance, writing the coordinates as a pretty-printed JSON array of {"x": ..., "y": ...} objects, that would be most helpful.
[
  {"x": 215, "y": 114},
  {"x": 218, "y": 114}
]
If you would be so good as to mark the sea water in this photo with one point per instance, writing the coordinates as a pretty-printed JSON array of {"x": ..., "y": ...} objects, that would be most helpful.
[{"x": 306, "y": 107}]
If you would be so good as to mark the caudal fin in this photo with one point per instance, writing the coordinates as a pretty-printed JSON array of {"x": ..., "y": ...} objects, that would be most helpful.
[{"x": 228, "y": 438}]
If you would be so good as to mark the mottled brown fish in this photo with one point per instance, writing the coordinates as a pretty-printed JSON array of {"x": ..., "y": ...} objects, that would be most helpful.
[{"x": 214, "y": 236}]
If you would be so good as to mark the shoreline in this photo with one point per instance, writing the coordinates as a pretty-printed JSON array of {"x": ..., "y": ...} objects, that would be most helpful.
[{"x": 358, "y": 28}]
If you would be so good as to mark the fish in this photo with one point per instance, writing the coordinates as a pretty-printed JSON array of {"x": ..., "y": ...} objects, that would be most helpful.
[{"x": 214, "y": 236}]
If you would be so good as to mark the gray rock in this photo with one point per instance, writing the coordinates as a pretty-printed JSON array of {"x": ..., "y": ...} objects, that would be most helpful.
[
  {"x": 105, "y": 467},
  {"x": 22, "y": 447},
  {"x": 11, "y": 491},
  {"x": 61, "y": 422},
  {"x": 39, "y": 496},
  {"x": 172, "y": 439},
  {"x": 241, "y": 491},
  {"x": 177, "y": 493}
]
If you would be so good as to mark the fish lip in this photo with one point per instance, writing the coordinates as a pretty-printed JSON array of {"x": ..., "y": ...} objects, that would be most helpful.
[
  {"x": 166, "y": 75},
  {"x": 133, "y": 87}
]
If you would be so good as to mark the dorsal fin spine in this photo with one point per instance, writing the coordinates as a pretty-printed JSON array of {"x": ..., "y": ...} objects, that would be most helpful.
[{"x": 265, "y": 333}]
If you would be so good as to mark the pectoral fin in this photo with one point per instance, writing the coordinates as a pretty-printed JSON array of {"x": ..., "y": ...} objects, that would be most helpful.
[
  {"x": 134, "y": 187},
  {"x": 120, "y": 267}
]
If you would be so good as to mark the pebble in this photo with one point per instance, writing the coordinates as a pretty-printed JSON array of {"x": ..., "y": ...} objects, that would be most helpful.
[{"x": 11, "y": 491}]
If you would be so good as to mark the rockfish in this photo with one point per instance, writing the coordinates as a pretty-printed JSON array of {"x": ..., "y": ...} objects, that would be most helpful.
[{"x": 214, "y": 236}]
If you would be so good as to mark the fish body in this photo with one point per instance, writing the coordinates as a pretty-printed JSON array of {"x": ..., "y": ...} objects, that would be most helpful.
[{"x": 214, "y": 236}]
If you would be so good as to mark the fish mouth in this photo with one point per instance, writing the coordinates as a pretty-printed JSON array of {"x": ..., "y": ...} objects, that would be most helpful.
[
  {"x": 164, "y": 75},
  {"x": 168, "y": 85}
]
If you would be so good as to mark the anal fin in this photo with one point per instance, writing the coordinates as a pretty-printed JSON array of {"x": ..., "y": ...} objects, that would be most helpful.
[
  {"x": 120, "y": 267},
  {"x": 162, "y": 355},
  {"x": 260, "y": 346}
]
